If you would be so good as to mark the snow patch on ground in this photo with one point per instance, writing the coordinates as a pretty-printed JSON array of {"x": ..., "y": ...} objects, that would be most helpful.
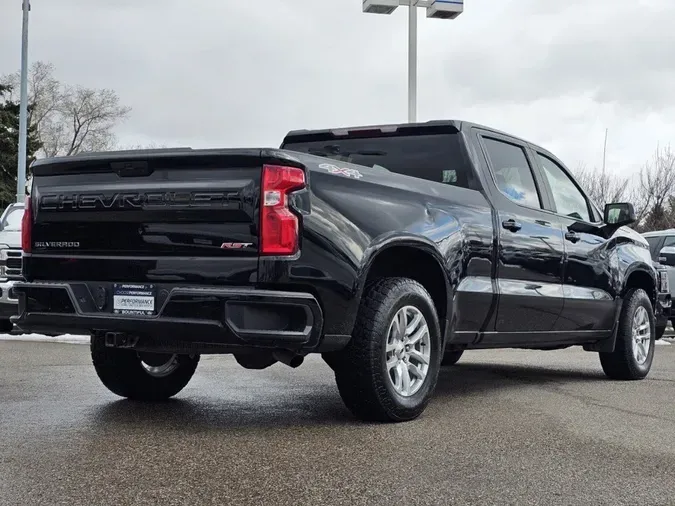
[
  {"x": 74, "y": 339},
  {"x": 66, "y": 338}
]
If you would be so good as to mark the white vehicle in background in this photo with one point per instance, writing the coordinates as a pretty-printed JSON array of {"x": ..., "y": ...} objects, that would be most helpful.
[
  {"x": 10, "y": 262},
  {"x": 662, "y": 249}
]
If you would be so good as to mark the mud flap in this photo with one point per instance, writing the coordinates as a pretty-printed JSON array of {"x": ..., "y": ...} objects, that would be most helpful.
[{"x": 607, "y": 345}]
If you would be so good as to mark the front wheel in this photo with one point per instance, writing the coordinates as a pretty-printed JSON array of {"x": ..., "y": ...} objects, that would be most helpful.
[
  {"x": 389, "y": 369},
  {"x": 634, "y": 351},
  {"x": 141, "y": 376}
]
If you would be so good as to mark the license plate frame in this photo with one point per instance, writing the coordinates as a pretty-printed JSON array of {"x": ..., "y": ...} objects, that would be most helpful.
[{"x": 137, "y": 299}]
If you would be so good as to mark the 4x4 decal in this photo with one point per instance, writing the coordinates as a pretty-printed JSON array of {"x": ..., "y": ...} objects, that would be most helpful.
[{"x": 341, "y": 171}]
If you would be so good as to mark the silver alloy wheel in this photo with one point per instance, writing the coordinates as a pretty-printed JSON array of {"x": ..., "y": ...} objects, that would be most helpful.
[
  {"x": 408, "y": 351},
  {"x": 642, "y": 335},
  {"x": 161, "y": 370}
]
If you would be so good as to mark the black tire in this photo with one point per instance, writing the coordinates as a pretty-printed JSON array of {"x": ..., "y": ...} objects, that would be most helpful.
[
  {"x": 451, "y": 358},
  {"x": 621, "y": 364},
  {"x": 660, "y": 331},
  {"x": 361, "y": 372},
  {"x": 332, "y": 359},
  {"x": 122, "y": 372},
  {"x": 6, "y": 326}
]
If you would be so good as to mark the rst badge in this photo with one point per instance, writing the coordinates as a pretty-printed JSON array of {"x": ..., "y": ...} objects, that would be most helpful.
[{"x": 236, "y": 245}]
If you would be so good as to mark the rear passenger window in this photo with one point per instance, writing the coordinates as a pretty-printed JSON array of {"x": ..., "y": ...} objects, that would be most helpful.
[
  {"x": 435, "y": 157},
  {"x": 670, "y": 241},
  {"x": 512, "y": 172}
]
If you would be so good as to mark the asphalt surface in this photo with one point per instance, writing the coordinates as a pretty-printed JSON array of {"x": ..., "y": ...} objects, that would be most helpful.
[{"x": 505, "y": 427}]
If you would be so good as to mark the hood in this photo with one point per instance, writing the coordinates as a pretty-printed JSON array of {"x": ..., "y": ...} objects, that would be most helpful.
[{"x": 11, "y": 238}]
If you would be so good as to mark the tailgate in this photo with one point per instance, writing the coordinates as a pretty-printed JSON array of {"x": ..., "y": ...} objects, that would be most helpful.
[{"x": 147, "y": 216}]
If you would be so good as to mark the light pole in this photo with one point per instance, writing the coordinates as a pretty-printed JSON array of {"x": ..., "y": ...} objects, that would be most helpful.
[
  {"x": 438, "y": 9},
  {"x": 23, "y": 108}
]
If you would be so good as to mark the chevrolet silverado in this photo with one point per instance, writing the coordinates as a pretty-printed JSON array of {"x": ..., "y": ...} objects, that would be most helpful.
[{"x": 390, "y": 250}]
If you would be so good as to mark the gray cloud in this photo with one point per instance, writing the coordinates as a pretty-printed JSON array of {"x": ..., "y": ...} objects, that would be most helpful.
[
  {"x": 226, "y": 73},
  {"x": 619, "y": 51}
]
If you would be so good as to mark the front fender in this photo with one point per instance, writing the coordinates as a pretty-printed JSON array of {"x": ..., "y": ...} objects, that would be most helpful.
[{"x": 638, "y": 267}]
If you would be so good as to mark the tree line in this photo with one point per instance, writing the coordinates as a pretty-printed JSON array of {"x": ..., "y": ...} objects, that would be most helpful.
[
  {"x": 63, "y": 120},
  {"x": 651, "y": 189},
  {"x": 68, "y": 119}
]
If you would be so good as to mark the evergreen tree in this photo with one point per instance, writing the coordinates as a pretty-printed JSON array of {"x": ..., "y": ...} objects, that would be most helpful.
[{"x": 9, "y": 146}]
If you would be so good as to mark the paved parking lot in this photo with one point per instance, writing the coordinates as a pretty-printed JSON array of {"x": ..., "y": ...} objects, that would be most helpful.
[{"x": 505, "y": 427}]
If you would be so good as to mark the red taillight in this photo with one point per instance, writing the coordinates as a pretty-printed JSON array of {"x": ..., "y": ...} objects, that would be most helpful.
[
  {"x": 278, "y": 225},
  {"x": 27, "y": 225}
]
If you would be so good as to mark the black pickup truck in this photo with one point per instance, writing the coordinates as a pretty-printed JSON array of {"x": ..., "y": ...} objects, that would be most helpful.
[{"x": 390, "y": 250}]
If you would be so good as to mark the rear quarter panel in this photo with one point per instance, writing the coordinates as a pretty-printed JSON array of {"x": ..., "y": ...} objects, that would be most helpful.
[{"x": 357, "y": 212}]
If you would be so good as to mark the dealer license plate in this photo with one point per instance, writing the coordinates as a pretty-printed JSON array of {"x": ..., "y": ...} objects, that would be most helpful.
[{"x": 134, "y": 299}]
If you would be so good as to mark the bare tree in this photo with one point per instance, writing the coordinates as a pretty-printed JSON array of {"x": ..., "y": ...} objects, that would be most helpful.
[
  {"x": 656, "y": 186},
  {"x": 84, "y": 122},
  {"x": 151, "y": 145},
  {"x": 43, "y": 89},
  {"x": 651, "y": 190},
  {"x": 70, "y": 119},
  {"x": 602, "y": 187}
]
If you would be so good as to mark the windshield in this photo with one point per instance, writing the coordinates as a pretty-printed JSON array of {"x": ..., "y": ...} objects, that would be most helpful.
[{"x": 13, "y": 219}]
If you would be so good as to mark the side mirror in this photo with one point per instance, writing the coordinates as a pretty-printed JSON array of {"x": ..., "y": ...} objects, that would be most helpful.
[
  {"x": 619, "y": 214},
  {"x": 667, "y": 256}
]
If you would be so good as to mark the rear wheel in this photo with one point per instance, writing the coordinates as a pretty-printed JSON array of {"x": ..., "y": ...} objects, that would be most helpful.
[
  {"x": 389, "y": 369},
  {"x": 634, "y": 351},
  {"x": 139, "y": 375},
  {"x": 660, "y": 331}
]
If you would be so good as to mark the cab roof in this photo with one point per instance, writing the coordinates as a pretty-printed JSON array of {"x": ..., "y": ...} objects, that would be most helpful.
[{"x": 428, "y": 127}]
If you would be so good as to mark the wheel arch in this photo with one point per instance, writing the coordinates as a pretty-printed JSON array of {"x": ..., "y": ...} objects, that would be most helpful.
[
  {"x": 413, "y": 257},
  {"x": 640, "y": 276}
]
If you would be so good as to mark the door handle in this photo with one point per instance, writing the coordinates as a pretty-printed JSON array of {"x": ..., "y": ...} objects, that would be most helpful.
[
  {"x": 511, "y": 225},
  {"x": 572, "y": 237}
]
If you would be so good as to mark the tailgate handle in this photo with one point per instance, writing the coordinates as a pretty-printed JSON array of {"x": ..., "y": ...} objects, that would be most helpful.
[{"x": 131, "y": 169}]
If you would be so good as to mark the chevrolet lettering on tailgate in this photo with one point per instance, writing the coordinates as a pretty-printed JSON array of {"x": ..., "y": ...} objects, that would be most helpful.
[{"x": 136, "y": 200}]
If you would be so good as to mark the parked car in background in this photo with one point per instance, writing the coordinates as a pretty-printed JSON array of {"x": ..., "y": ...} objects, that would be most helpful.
[
  {"x": 662, "y": 249},
  {"x": 10, "y": 262}
]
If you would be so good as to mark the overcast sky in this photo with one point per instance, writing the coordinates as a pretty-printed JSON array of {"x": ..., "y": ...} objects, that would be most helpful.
[{"x": 212, "y": 73}]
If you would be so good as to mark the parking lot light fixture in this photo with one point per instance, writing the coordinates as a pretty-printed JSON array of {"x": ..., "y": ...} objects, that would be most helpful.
[{"x": 437, "y": 9}]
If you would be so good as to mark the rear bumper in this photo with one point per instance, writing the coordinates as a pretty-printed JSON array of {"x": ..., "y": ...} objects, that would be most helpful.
[{"x": 203, "y": 320}]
